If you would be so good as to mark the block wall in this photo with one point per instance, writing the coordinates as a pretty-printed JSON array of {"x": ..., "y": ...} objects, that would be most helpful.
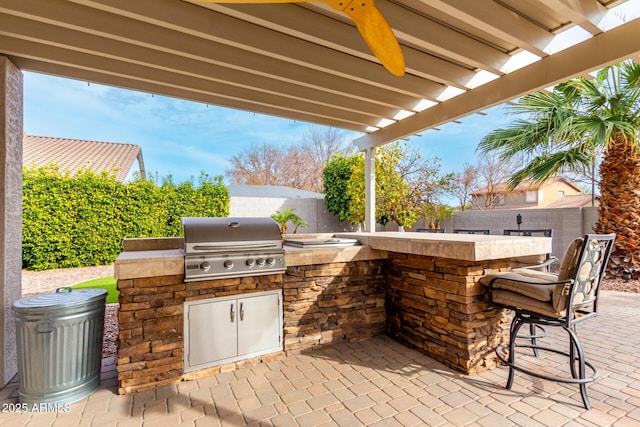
[{"x": 311, "y": 210}]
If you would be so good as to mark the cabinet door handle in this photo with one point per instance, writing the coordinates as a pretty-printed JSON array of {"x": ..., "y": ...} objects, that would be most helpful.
[
  {"x": 241, "y": 311},
  {"x": 232, "y": 313}
]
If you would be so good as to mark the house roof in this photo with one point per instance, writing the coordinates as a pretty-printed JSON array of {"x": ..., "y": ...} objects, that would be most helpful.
[
  {"x": 573, "y": 201},
  {"x": 525, "y": 185},
  {"x": 307, "y": 61},
  {"x": 271, "y": 191},
  {"x": 75, "y": 154}
]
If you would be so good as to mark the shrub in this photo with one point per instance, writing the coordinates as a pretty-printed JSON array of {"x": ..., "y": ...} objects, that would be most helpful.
[{"x": 80, "y": 220}]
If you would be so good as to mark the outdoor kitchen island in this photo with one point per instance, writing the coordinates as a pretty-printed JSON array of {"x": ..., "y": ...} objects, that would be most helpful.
[{"x": 420, "y": 288}]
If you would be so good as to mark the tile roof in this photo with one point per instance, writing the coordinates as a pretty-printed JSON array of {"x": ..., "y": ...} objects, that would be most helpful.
[
  {"x": 573, "y": 201},
  {"x": 525, "y": 185},
  {"x": 569, "y": 201},
  {"x": 74, "y": 154}
]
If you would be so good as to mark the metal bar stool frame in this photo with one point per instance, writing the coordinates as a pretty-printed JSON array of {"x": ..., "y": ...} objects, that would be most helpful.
[
  {"x": 546, "y": 232},
  {"x": 581, "y": 292},
  {"x": 467, "y": 231}
]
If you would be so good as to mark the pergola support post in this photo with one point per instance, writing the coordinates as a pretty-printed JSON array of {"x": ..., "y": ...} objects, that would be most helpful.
[{"x": 370, "y": 190}]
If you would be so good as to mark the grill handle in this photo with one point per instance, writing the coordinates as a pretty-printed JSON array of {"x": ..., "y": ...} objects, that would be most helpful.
[{"x": 228, "y": 247}]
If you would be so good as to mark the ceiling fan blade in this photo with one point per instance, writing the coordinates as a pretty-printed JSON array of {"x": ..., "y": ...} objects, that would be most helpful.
[
  {"x": 373, "y": 28},
  {"x": 375, "y": 31},
  {"x": 251, "y": 1}
]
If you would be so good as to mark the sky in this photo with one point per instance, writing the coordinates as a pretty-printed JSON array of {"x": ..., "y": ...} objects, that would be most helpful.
[{"x": 183, "y": 138}]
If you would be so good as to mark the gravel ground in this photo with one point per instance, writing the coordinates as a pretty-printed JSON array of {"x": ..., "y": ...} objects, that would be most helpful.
[
  {"x": 42, "y": 282},
  {"x": 37, "y": 282}
]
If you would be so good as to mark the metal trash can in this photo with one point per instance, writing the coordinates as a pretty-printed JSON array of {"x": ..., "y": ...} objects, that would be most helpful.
[{"x": 59, "y": 345}]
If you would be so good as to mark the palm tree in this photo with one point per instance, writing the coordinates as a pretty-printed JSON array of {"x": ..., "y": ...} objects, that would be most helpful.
[
  {"x": 298, "y": 222},
  {"x": 567, "y": 129},
  {"x": 288, "y": 215},
  {"x": 282, "y": 218}
]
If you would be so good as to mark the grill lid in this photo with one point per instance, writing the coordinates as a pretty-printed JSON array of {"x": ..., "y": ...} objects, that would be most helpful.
[{"x": 216, "y": 234}]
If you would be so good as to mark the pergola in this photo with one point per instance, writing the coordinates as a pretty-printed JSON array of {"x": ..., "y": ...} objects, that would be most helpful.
[{"x": 307, "y": 62}]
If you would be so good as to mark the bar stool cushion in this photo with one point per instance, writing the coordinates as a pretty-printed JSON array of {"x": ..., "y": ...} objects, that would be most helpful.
[
  {"x": 513, "y": 281},
  {"x": 526, "y": 289},
  {"x": 568, "y": 266},
  {"x": 514, "y": 299}
]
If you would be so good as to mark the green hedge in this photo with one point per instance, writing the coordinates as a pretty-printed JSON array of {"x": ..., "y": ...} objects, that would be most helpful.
[{"x": 80, "y": 220}]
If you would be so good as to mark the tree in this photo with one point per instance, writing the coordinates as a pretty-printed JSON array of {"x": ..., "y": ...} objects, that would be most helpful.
[
  {"x": 339, "y": 199},
  {"x": 288, "y": 215},
  {"x": 320, "y": 144},
  {"x": 297, "y": 166},
  {"x": 298, "y": 222},
  {"x": 567, "y": 128},
  {"x": 404, "y": 182},
  {"x": 463, "y": 184},
  {"x": 259, "y": 165},
  {"x": 493, "y": 173}
]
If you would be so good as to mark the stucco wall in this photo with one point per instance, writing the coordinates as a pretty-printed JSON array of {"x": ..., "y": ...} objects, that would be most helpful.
[
  {"x": 311, "y": 210},
  {"x": 11, "y": 103}
]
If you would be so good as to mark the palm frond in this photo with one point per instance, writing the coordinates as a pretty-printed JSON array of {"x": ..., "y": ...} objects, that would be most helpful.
[
  {"x": 571, "y": 125},
  {"x": 544, "y": 167},
  {"x": 630, "y": 74}
]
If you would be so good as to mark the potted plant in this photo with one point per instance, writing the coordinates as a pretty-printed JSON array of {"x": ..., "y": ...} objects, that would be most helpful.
[
  {"x": 288, "y": 215},
  {"x": 298, "y": 222}
]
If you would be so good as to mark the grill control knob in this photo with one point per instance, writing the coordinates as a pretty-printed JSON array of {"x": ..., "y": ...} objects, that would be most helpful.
[
  {"x": 228, "y": 264},
  {"x": 205, "y": 266},
  {"x": 271, "y": 261},
  {"x": 250, "y": 262},
  {"x": 260, "y": 262}
]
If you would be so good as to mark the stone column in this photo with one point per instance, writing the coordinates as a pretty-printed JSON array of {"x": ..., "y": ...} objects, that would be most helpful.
[{"x": 11, "y": 103}]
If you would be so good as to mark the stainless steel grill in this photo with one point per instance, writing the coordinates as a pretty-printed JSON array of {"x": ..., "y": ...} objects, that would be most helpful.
[{"x": 231, "y": 247}]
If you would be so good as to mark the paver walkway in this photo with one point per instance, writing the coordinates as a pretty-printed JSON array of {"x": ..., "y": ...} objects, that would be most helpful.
[{"x": 379, "y": 382}]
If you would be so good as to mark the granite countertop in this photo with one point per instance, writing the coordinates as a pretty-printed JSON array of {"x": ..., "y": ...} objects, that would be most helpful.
[
  {"x": 168, "y": 259},
  {"x": 468, "y": 247},
  {"x": 168, "y": 262}
]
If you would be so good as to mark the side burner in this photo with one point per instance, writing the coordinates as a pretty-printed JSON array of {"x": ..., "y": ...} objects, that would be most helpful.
[{"x": 333, "y": 242}]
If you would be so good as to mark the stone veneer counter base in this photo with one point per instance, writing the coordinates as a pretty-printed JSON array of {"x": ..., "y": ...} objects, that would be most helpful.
[
  {"x": 421, "y": 289},
  {"x": 330, "y": 295}
]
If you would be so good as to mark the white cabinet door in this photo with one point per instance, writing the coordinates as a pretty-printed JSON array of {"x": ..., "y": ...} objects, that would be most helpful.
[
  {"x": 212, "y": 332},
  {"x": 259, "y": 324},
  {"x": 225, "y": 329}
]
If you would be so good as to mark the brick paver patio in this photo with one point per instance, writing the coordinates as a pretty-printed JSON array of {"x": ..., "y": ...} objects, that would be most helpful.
[{"x": 378, "y": 382}]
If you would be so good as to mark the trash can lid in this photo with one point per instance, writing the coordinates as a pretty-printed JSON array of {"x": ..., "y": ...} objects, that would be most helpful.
[{"x": 62, "y": 297}]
